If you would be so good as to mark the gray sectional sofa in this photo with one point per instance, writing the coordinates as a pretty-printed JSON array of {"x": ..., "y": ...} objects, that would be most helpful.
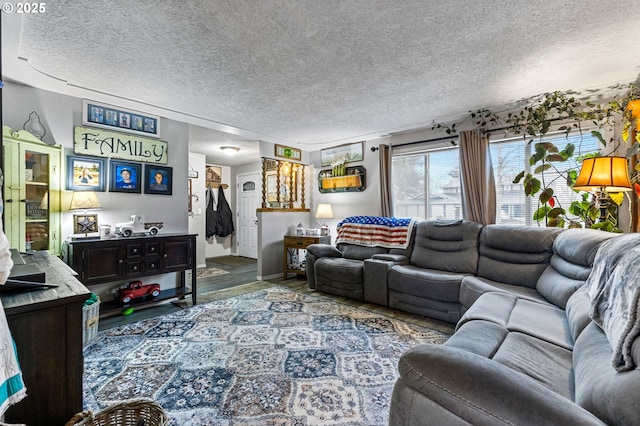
[{"x": 525, "y": 351}]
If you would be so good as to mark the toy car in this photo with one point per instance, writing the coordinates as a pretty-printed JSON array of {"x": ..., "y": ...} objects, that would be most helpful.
[
  {"x": 137, "y": 225},
  {"x": 136, "y": 289}
]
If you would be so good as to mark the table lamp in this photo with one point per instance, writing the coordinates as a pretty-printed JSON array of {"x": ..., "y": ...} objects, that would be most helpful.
[
  {"x": 601, "y": 175},
  {"x": 324, "y": 211},
  {"x": 85, "y": 200}
]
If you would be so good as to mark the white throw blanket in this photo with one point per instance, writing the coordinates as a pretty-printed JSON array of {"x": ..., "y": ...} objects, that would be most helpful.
[
  {"x": 614, "y": 290},
  {"x": 12, "y": 387}
]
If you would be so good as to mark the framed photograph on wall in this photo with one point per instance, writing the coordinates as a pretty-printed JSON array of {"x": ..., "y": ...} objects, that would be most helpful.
[
  {"x": 347, "y": 153},
  {"x": 115, "y": 118},
  {"x": 158, "y": 179},
  {"x": 85, "y": 173},
  {"x": 125, "y": 177}
]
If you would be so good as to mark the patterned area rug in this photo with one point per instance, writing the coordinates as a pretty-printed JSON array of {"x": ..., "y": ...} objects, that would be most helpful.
[
  {"x": 210, "y": 272},
  {"x": 269, "y": 357}
]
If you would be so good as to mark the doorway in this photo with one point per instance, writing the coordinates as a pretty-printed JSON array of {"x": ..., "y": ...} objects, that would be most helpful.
[{"x": 248, "y": 200}]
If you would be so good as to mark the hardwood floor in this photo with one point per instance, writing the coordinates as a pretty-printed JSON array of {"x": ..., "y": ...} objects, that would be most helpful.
[{"x": 242, "y": 279}]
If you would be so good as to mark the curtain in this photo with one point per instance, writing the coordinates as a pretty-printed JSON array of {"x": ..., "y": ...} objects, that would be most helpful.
[
  {"x": 385, "y": 180},
  {"x": 476, "y": 174}
]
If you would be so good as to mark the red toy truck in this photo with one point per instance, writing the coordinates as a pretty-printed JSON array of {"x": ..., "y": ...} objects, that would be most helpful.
[{"x": 136, "y": 289}]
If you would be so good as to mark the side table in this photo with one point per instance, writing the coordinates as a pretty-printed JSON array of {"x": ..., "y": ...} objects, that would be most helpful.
[{"x": 294, "y": 243}]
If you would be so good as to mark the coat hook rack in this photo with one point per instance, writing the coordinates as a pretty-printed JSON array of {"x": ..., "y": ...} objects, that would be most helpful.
[{"x": 217, "y": 185}]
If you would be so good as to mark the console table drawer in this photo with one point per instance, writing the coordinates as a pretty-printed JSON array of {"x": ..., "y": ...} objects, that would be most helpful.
[{"x": 300, "y": 242}]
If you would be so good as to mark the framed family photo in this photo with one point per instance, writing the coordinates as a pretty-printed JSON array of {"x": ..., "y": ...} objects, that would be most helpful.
[
  {"x": 85, "y": 173},
  {"x": 158, "y": 179},
  {"x": 125, "y": 177},
  {"x": 112, "y": 117}
]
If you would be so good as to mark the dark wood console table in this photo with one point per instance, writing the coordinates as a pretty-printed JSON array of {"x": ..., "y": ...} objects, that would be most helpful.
[
  {"x": 120, "y": 259},
  {"x": 46, "y": 326}
]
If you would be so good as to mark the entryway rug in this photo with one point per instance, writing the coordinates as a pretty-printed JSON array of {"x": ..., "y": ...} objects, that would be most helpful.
[
  {"x": 270, "y": 357},
  {"x": 210, "y": 272}
]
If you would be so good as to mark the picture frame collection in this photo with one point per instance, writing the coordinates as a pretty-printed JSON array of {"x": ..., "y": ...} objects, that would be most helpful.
[
  {"x": 86, "y": 173},
  {"x": 112, "y": 117}
]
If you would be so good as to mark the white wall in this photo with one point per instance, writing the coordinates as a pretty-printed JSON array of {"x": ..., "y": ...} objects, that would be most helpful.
[
  {"x": 346, "y": 204},
  {"x": 59, "y": 114},
  {"x": 272, "y": 227},
  {"x": 197, "y": 218}
]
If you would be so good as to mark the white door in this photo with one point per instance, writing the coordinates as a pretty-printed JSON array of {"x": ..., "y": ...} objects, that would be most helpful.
[{"x": 248, "y": 196}]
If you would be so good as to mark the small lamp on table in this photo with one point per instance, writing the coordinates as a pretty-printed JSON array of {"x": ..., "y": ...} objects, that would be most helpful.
[
  {"x": 324, "y": 211},
  {"x": 85, "y": 200}
]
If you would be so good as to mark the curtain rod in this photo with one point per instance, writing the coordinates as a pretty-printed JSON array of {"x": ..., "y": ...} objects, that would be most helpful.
[{"x": 444, "y": 138}]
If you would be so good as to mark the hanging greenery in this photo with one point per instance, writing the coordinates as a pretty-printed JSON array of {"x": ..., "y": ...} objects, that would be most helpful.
[{"x": 534, "y": 120}]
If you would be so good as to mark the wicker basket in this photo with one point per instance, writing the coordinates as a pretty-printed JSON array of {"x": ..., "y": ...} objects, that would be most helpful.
[
  {"x": 129, "y": 413},
  {"x": 90, "y": 316}
]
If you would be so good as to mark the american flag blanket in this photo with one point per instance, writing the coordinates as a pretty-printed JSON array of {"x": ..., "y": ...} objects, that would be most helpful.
[{"x": 375, "y": 231}]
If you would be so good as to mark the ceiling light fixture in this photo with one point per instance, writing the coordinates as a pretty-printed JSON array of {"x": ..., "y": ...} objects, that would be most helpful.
[{"x": 229, "y": 150}]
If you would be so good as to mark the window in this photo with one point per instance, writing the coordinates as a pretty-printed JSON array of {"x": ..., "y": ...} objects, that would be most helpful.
[
  {"x": 427, "y": 184},
  {"x": 510, "y": 157}
]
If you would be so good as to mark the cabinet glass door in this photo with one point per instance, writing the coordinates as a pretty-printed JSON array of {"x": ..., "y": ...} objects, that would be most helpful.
[{"x": 36, "y": 199}]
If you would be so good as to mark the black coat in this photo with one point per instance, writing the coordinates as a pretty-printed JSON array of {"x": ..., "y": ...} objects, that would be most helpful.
[
  {"x": 224, "y": 224},
  {"x": 212, "y": 214}
]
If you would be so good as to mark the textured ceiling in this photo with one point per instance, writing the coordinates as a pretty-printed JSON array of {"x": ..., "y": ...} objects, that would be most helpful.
[{"x": 314, "y": 73}]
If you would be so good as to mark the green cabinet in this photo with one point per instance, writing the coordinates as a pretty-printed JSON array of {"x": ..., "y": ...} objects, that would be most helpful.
[{"x": 32, "y": 192}]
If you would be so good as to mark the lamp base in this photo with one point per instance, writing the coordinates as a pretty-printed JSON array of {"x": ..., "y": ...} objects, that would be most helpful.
[
  {"x": 324, "y": 230},
  {"x": 603, "y": 205}
]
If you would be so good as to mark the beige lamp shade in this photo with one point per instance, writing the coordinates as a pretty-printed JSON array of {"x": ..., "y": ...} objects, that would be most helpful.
[
  {"x": 610, "y": 174},
  {"x": 324, "y": 211},
  {"x": 84, "y": 200}
]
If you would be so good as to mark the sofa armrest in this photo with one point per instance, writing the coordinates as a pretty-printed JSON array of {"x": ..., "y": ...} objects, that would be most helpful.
[
  {"x": 314, "y": 252},
  {"x": 323, "y": 250},
  {"x": 375, "y": 273},
  {"x": 472, "y": 389},
  {"x": 397, "y": 259}
]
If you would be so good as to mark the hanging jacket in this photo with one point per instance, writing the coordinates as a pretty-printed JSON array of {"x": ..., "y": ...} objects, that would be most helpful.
[
  {"x": 212, "y": 214},
  {"x": 224, "y": 225}
]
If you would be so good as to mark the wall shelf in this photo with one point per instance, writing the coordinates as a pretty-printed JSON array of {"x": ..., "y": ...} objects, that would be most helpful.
[{"x": 354, "y": 180}]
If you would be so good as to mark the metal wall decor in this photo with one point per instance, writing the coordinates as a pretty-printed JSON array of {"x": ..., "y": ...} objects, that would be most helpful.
[{"x": 353, "y": 180}]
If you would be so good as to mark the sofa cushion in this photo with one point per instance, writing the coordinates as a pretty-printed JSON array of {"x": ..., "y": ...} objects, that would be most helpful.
[
  {"x": 452, "y": 248},
  {"x": 352, "y": 251},
  {"x": 427, "y": 283},
  {"x": 472, "y": 288},
  {"x": 515, "y": 254},
  {"x": 609, "y": 394},
  {"x": 543, "y": 321},
  {"x": 573, "y": 253},
  {"x": 546, "y": 363},
  {"x": 337, "y": 275},
  {"x": 577, "y": 311}
]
